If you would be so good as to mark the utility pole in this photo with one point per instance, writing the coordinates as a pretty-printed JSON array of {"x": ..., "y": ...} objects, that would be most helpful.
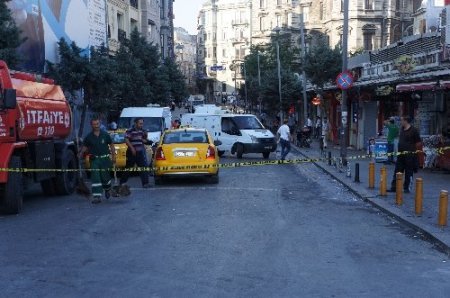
[
  {"x": 259, "y": 85},
  {"x": 279, "y": 74},
  {"x": 245, "y": 88},
  {"x": 303, "y": 47},
  {"x": 344, "y": 112}
]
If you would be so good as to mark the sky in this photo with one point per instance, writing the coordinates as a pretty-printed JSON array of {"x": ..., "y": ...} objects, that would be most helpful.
[{"x": 186, "y": 12}]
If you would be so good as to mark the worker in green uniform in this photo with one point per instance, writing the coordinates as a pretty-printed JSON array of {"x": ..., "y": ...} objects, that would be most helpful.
[
  {"x": 102, "y": 156},
  {"x": 392, "y": 134}
]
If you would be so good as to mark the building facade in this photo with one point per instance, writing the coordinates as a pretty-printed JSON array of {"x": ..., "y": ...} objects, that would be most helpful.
[
  {"x": 185, "y": 53},
  {"x": 152, "y": 18},
  {"x": 228, "y": 28}
]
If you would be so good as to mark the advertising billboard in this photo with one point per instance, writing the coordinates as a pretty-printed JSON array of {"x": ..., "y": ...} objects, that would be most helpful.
[{"x": 44, "y": 22}]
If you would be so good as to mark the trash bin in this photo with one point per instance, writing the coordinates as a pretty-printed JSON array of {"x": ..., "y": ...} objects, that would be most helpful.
[{"x": 381, "y": 150}]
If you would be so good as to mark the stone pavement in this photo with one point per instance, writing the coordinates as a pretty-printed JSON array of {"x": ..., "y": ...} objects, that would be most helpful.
[{"x": 433, "y": 182}]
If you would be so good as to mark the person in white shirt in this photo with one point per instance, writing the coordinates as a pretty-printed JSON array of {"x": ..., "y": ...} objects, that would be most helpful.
[
  {"x": 284, "y": 137},
  {"x": 325, "y": 130}
]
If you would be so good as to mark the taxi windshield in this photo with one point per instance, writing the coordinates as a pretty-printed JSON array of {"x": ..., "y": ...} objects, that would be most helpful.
[
  {"x": 247, "y": 122},
  {"x": 175, "y": 137},
  {"x": 151, "y": 124}
]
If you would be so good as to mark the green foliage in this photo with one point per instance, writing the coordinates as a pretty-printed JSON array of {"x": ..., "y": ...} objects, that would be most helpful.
[
  {"x": 268, "y": 92},
  {"x": 134, "y": 76},
  {"x": 322, "y": 64},
  {"x": 72, "y": 69},
  {"x": 9, "y": 36}
]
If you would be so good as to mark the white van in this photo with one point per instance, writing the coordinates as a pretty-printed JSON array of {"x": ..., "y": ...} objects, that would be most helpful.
[
  {"x": 238, "y": 133},
  {"x": 156, "y": 120},
  {"x": 211, "y": 109}
]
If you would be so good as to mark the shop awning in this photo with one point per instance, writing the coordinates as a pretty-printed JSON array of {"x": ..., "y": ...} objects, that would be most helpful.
[
  {"x": 445, "y": 84},
  {"x": 422, "y": 86}
]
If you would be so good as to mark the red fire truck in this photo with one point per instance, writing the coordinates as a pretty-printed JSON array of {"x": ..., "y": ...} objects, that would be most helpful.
[{"x": 35, "y": 123}]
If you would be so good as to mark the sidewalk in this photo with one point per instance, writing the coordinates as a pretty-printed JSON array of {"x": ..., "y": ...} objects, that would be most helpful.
[{"x": 433, "y": 183}]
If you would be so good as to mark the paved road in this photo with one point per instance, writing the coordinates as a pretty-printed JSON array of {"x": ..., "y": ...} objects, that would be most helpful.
[{"x": 272, "y": 231}]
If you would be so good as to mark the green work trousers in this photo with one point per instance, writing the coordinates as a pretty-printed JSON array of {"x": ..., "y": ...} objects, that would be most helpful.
[{"x": 100, "y": 175}]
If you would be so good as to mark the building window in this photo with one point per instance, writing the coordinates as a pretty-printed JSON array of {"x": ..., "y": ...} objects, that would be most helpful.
[
  {"x": 368, "y": 41},
  {"x": 134, "y": 3},
  {"x": 262, "y": 3},
  {"x": 162, "y": 11},
  {"x": 279, "y": 2},
  {"x": 306, "y": 14},
  {"x": 369, "y": 4},
  {"x": 289, "y": 18},
  {"x": 398, "y": 5},
  {"x": 224, "y": 53},
  {"x": 261, "y": 24},
  {"x": 342, "y": 5},
  {"x": 278, "y": 21},
  {"x": 321, "y": 12},
  {"x": 214, "y": 52}
]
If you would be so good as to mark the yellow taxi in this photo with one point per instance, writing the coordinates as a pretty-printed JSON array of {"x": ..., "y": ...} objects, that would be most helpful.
[
  {"x": 186, "y": 151},
  {"x": 118, "y": 138}
]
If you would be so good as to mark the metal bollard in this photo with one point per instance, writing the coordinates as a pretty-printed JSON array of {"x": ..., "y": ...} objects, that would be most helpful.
[
  {"x": 349, "y": 170},
  {"x": 443, "y": 207},
  {"x": 399, "y": 189},
  {"x": 383, "y": 182},
  {"x": 419, "y": 196},
  {"x": 371, "y": 175},
  {"x": 357, "y": 173},
  {"x": 329, "y": 158}
]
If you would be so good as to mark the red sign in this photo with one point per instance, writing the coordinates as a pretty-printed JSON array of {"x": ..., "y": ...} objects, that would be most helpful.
[
  {"x": 447, "y": 2},
  {"x": 344, "y": 80}
]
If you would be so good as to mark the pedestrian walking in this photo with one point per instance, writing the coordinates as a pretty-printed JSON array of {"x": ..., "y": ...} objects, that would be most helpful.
[
  {"x": 392, "y": 134},
  {"x": 309, "y": 123},
  {"x": 407, "y": 162},
  {"x": 284, "y": 138},
  {"x": 318, "y": 128},
  {"x": 135, "y": 139},
  {"x": 325, "y": 131},
  {"x": 102, "y": 156}
]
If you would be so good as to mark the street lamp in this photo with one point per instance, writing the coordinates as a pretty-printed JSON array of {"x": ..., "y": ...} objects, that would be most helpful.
[{"x": 277, "y": 30}]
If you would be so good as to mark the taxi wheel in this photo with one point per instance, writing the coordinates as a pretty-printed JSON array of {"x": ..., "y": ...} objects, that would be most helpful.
[
  {"x": 214, "y": 179},
  {"x": 266, "y": 155},
  {"x": 239, "y": 150},
  {"x": 158, "y": 180}
]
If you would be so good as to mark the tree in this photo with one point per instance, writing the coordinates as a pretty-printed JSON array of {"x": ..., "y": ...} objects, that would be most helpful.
[
  {"x": 177, "y": 83},
  {"x": 269, "y": 90},
  {"x": 103, "y": 82},
  {"x": 73, "y": 68},
  {"x": 322, "y": 64},
  {"x": 9, "y": 36}
]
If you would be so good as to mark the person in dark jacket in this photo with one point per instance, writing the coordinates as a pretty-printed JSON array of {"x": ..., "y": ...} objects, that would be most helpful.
[{"x": 409, "y": 140}]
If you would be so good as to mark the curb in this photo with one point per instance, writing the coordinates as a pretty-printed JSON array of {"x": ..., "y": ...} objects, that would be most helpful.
[{"x": 361, "y": 192}]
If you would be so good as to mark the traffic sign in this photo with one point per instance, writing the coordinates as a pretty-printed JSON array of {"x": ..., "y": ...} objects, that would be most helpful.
[{"x": 344, "y": 80}]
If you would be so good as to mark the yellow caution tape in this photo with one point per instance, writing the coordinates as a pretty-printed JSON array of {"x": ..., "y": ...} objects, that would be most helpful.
[{"x": 439, "y": 151}]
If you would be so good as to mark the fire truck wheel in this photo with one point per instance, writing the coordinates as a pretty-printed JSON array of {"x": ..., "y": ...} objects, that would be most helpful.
[
  {"x": 67, "y": 181},
  {"x": 13, "y": 189},
  {"x": 48, "y": 187}
]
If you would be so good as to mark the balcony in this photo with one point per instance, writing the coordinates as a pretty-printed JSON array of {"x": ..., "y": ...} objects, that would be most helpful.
[
  {"x": 235, "y": 41},
  {"x": 239, "y": 23}
]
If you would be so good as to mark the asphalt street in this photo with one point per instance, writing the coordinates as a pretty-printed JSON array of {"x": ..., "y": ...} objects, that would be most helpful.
[{"x": 267, "y": 231}]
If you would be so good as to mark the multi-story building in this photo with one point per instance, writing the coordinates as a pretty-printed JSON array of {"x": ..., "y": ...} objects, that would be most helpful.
[
  {"x": 153, "y": 18},
  {"x": 166, "y": 35},
  {"x": 123, "y": 18},
  {"x": 372, "y": 23},
  {"x": 227, "y": 29},
  {"x": 185, "y": 53}
]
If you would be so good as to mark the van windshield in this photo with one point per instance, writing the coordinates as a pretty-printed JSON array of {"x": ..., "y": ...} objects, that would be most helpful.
[
  {"x": 151, "y": 124},
  {"x": 247, "y": 122}
]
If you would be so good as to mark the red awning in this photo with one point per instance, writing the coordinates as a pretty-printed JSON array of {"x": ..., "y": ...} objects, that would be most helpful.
[{"x": 422, "y": 86}]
